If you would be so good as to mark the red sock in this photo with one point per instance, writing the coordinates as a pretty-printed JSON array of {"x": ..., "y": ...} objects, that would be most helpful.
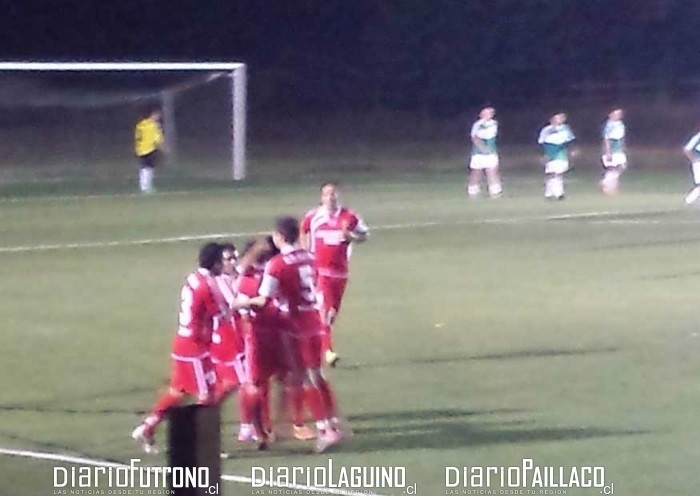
[
  {"x": 165, "y": 401},
  {"x": 253, "y": 406},
  {"x": 314, "y": 400},
  {"x": 296, "y": 397},
  {"x": 328, "y": 398},
  {"x": 245, "y": 415},
  {"x": 265, "y": 405},
  {"x": 250, "y": 404},
  {"x": 326, "y": 341},
  {"x": 221, "y": 391}
]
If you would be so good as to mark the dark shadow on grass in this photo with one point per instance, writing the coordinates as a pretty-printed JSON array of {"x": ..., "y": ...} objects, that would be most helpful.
[
  {"x": 440, "y": 430},
  {"x": 49, "y": 405},
  {"x": 672, "y": 275},
  {"x": 647, "y": 243},
  {"x": 54, "y": 448},
  {"x": 510, "y": 355},
  {"x": 524, "y": 354},
  {"x": 452, "y": 435},
  {"x": 454, "y": 429},
  {"x": 428, "y": 415},
  {"x": 68, "y": 411}
]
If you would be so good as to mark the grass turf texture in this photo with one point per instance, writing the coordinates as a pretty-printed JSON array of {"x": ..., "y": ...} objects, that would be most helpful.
[{"x": 473, "y": 333}]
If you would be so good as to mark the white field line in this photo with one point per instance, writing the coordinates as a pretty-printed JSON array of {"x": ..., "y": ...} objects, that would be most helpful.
[
  {"x": 177, "y": 239},
  {"x": 596, "y": 218},
  {"x": 81, "y": 460},
  {"x": 99, "y": 196},
  {"x": 132, "y": 242}
]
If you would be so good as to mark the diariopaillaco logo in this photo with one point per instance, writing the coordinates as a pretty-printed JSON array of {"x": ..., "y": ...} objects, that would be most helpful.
[{"x": 525, "y": 479}]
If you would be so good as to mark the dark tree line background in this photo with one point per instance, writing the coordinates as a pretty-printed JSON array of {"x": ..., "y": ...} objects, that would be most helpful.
[{"x": 434, "y": 56}]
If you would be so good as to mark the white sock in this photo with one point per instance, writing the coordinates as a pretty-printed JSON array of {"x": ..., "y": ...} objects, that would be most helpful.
[
  {"x": 473, "y": 189},
  {"x": 148, "y": 175},
  {"x": 142, "y": 179},
  {"x": 548, "y": 187},
  {"x": 693, "y": 195},
  {"x": 323, "y": 425},
  {"x": 558, "y": 186},
  {"x": 611, "y": 181},
  {"x": 495, "y": 189}
]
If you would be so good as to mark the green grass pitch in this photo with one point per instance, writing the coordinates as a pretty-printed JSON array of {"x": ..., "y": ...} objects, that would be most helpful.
[{"x": 473, "y": 333}]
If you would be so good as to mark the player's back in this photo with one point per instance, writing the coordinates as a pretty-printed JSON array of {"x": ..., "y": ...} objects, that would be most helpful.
[
  {"x": 147, "y": 136},
  {"x": 293, "y": 271},
  {"x": 198, "y": 307}
]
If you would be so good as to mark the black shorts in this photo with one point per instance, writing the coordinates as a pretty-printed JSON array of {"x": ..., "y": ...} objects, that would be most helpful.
[{"x": 150, "y": 160}]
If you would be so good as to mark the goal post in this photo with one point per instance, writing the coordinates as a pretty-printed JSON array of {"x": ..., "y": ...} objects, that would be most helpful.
[{"x": 234, "y": 72}]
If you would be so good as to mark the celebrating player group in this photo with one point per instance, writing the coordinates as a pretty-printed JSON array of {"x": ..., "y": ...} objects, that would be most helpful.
[{"x": 262, "y": 316}]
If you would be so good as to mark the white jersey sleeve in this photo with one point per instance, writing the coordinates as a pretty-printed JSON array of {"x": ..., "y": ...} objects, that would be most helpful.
[{"x": 693, "y": 143}]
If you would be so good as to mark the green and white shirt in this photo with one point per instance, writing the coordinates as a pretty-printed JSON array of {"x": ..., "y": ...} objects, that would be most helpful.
[
  {"x": 486, "y": 130},
  {"x": 693, "y": 145},
  {"x": 555, "y": 140},
  {"x": 614, "y": 133}
]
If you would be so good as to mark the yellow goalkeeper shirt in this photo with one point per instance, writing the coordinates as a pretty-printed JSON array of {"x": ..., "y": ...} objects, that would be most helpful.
[{"x": 148, "y": 136}]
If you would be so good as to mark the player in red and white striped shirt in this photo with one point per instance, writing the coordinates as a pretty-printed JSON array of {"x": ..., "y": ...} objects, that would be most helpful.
[
  {"x": 289, "y": 279},
  {"x": 328, "y": 231},
  {"x": 192, "y": 372}
]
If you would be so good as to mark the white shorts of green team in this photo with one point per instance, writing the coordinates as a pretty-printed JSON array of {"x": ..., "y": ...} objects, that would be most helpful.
[
  {"x": 696, "y": 172},
  {"x": 556, "y": 167},
  {"x": 481, "y": 161},
  {"x": 617, "y": 159}
]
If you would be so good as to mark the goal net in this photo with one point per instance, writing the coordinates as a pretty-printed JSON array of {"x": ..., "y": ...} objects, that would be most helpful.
[{"x": 75, "y": 121}]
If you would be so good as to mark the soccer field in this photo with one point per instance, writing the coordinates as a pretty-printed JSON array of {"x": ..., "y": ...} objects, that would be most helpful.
[{"x": 474, "y": 333}]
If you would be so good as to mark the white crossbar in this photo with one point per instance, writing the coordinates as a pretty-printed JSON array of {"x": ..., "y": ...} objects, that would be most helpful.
[{"x": 119, "y": 66}]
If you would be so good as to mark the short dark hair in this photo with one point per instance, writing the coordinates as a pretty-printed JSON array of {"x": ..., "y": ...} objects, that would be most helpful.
[
  {"x": 228, "y": 246},
  {"x": 273, "y": 249},
  {"x": 148, "y": 111},
  {"x": 330, "y": 183},
  {"x": 209, "y": 255},
  {"x": 288, "y": 227},
  {"x": 265, "y": 255}
]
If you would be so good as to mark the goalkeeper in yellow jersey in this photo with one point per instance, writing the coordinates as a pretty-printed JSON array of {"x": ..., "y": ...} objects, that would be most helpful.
[{"x": 149, "y": 144}]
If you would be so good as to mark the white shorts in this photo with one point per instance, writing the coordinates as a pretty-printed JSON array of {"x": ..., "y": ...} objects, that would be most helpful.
[
  {"x": 480, "y": 161},
  {"x": 617, "y": 159},
  {"x": 556, "y": 167},
  {"x": 696, "y": 172}
]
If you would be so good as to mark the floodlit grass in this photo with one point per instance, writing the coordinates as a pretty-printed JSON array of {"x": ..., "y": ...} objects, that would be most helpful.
[{"x": 474, "y": 333}]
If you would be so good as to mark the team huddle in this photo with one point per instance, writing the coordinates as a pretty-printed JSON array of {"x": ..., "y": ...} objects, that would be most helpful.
[
  {"x": 262, "y": 315},
  {"x": 555, "y": 140}
]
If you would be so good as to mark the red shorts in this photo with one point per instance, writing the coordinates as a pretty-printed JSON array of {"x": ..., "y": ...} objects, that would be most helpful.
[
  {"x": 331, "y": 290},
  {"x": 263, "y": 354},
  {"x": 232, "y": 372},
  {"x": 302, "y": 351},
  {"x": 225, "y": 343},
  {"x": 193, "y": 375}
]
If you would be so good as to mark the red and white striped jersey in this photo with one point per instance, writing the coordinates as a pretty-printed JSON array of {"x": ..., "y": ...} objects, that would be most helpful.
[
  {"x": 289, "y": 278},
  {"x": 326, "y": 238},
  {"x": 199, "y": 306}
]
